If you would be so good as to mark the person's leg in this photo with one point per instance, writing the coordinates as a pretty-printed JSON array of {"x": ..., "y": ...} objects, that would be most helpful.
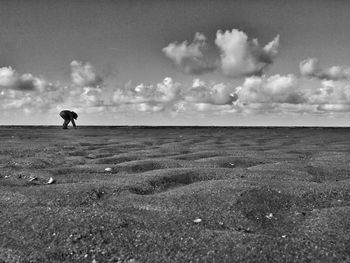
[{"x": 65, "y": 124}]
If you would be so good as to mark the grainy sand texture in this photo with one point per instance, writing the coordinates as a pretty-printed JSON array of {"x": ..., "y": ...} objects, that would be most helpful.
[{"x": 174, "y": 194}]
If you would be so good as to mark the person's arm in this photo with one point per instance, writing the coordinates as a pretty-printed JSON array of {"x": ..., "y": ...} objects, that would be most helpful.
[{"x": 73, "y": 122}]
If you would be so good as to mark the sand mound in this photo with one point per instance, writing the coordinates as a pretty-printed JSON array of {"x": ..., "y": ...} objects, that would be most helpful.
[
  {"x": 140, "y": 166},
  {"x": 231, "y": 162},
  {"x": 174, "y": 195},
  {"x": 197, "y": 155}
]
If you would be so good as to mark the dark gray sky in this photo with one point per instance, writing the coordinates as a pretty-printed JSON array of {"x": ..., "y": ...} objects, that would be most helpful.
[{"x": 123, "y": 42}]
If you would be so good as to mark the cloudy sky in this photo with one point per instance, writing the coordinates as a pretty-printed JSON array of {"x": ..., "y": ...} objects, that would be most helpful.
[{"x": 175, "y": 62}]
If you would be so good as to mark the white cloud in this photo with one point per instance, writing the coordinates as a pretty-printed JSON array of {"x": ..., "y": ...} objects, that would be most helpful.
[
  {"x": 168, "y": 90},
  {"x": 189, "y": 57},
  {"x": 163, "y": 92},
  {"x": 206, "y": 107},
  {"x": 149, "y": 108},
  {"x": 26, "y": 91},
  {"x": 31, "y": 99},
  {"x": 274, "y": 89},
  {"x": 30, "y": 93},
  {"x": 10, "y": 79},
  {"x": 91, "y": 96},
  {"x": 84, "y": 74},
  {"x": 334, "y": 107},
  {"x": 241, "y": 57},
  {"x": 287, "y": 94},
  {"x": 172, "y": 96},
  {"x": 317, "y": 91},
  {"x": 86, "y": 88},
  {"x": 216, "y": 94},
  {"x": 311, "y": 68},
  {"x": 330, "y": 92}
]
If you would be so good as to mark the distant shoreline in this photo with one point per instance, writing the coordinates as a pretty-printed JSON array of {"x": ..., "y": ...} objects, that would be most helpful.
[{"x": 178, "y": 127}]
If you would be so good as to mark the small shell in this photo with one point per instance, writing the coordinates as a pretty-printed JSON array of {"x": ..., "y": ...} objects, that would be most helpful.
[
  {"x": 32, "y": 178},
  {"x": 51, "y": 181},
  {"x": 269, "y": 216}
]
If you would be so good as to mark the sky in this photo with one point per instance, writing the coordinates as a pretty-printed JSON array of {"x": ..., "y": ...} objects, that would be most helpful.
[{"x": 175, "y": 62}]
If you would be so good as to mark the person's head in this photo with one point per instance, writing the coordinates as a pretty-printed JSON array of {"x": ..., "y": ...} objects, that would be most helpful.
[{"x": 75, "y": 116}]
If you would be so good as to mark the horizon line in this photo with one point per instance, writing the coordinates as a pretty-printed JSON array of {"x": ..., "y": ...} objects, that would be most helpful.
[{"x": 180, "y": 126}]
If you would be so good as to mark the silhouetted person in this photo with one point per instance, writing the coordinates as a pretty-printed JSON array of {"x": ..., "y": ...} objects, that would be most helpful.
[{"x": 68, "y": 116}]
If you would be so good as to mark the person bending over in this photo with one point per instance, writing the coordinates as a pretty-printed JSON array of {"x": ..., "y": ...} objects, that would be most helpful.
[{"x": 68, "y": 116}]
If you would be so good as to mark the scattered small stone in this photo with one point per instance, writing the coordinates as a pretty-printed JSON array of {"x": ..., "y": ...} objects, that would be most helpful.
[
  {"x": 269, "y": 216},
  {"x": 91, "y": 156},
  {"x": 51, "y": 181},
  {"x": 284, "y": 236},
  {"x": 32, "y": 178},
  {"x": 108, "y": 169},
  {"x": 232, "y": 164},
  {"x": 247, "y": 230},
  {"x": 197, "y": 220},
  {"x": 339, "y": 200}
]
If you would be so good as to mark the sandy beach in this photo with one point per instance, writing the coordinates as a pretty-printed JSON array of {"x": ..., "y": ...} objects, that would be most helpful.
[{"x": 174, "y": 194}]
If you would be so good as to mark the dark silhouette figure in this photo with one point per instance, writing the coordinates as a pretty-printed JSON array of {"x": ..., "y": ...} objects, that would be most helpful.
[{"x": 68, "y": 116}]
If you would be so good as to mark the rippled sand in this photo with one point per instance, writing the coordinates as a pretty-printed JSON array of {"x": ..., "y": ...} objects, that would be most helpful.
[{"x": 174, "y": 194}]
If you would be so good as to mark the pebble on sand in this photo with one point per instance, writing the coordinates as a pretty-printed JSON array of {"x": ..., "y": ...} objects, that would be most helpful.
[
  {"x": 108, "y": 169},
  {"x": 197, "y": 220},
  {"x": 91, "y": 156}
]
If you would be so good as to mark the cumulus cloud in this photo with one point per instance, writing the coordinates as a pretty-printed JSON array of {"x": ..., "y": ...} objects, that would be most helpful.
[
  {"x": 29, "y": 100},
  {"x": 84, "y": 74},
  {"x": 26, "y": 91},
  {"x": 189, "y": 57},
  {"x": 10, "y": 79},
  {"x": 31, "y": 93},
  {"x": 288, "y": 94},
  {"x": 216, "y": 94},
  {"x": 87, "y": 84},
  {"x": 330, "y": 92},
  {"x": 91, "y": 96},
  {"x": 176, "y": 97},
  {"x": 334, "y": 107},
  {"x": 317, "y": 91},
  {"x": 274, "y": 89},
  {"x": 311, "y": 68},
  {"x": 150, "y": 98},
  {"x": 243, "y": 57},
  {"x": 163, "y": 92}
]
